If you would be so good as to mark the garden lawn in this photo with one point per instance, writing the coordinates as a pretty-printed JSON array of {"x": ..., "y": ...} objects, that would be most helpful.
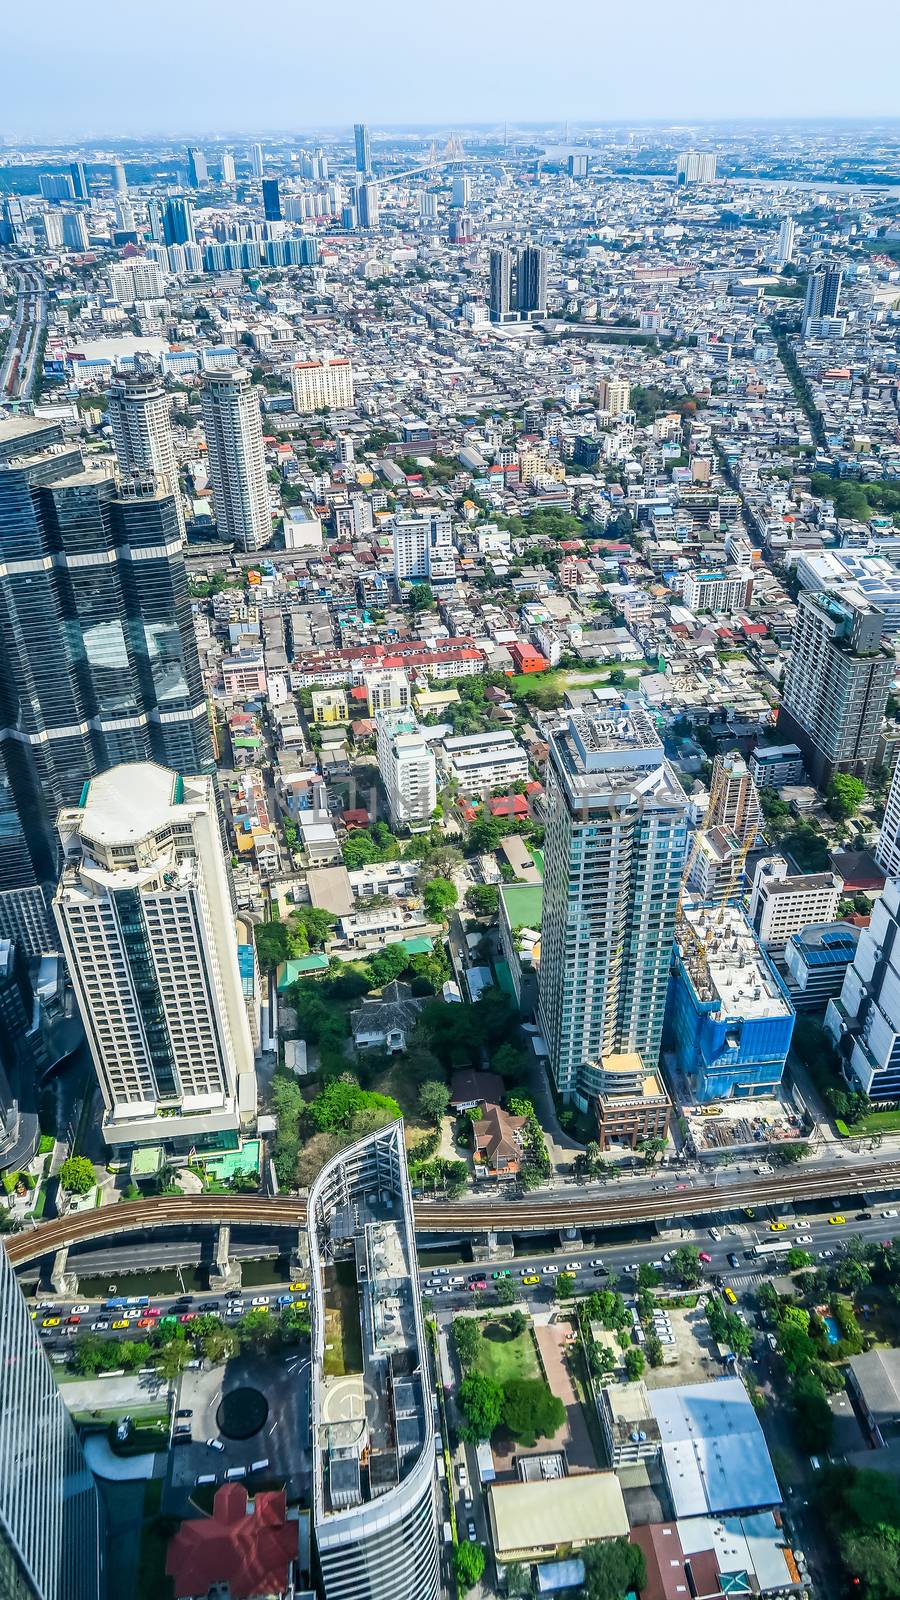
[
  {"x": 503, "y": 1358},
  {"x": 877, "y": 1122},
  {"x": 343, "y": 1335}
]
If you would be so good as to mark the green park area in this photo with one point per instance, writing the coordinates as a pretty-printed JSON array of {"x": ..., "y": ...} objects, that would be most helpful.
[
  {"x": 343, "y": 1336},
  {"x": 503, "y": 1355}
]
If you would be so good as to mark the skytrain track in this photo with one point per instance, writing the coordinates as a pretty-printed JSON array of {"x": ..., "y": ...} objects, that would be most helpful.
[{"x": 608, "y": 1208}]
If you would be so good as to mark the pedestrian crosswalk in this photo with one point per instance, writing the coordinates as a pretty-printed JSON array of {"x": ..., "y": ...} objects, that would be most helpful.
[{"x": 745, "y": 1280}]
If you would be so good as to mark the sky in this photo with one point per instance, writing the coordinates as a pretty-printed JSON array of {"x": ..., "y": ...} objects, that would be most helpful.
[{"x": 74, "y": 69}]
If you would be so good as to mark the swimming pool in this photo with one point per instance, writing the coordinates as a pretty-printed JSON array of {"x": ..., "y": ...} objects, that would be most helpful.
[
  {"x": 244, "y": 1160},
  {"x": 832, "y": 1330}
]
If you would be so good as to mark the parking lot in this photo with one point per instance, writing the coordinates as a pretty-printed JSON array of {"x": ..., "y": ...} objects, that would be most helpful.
[{"x": 282, "y": 1441}]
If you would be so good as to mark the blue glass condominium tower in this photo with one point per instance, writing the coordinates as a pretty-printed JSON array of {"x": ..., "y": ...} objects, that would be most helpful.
[
  {"x": 613, "y": 856},
  {"x": 98, "y": 660},
  {"x": 50, "y": 1522},
  {"x": 374, "y": 1511}
]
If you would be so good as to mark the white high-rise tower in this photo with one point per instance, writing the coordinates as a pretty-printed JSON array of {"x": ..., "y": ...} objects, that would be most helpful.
[
  {"x": 142, "y": 433},
  {"x": 145, "y": 918},
  {"x": 237, "y": 463},
  {"x": 613, "y": 856}
]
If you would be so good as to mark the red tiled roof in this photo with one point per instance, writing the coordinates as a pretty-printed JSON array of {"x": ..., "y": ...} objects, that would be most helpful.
[{"x": 251, "y": 1552}]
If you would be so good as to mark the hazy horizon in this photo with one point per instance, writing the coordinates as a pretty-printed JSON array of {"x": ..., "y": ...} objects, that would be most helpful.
[{"x": 76, "y": 73}]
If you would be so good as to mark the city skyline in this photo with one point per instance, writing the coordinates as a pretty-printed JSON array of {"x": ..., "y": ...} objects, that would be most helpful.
[{"x": 85, "y": 89}]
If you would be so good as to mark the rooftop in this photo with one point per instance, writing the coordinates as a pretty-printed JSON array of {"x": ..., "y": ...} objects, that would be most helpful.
[
  {"x": 714, "y": 1452},
  {"x": 125, "y": 804},
  {"x": 733, "y": 969},
  {"x": 548, "y": 1513}
]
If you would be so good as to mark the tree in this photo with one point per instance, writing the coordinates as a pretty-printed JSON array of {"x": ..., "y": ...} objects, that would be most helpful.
[
  {"x": 655, "y": 1352},
  {"x": 812, "y": 1414},
  {"x": 531, "y": 1410},
  {"x": 483, "y": 899},
  {"x": 257, "y": 1327},
  {"x": 438, "y": 897},
  {"x": 271, "y": 944},
  {"x": 517, "y": 1322},
  {"x": 316, "y": 924},
  {"x": 686, "y": 1264},
  {"x": 173, "y": 1358},
  {"x": 845, "y": 796},
  {"x": 421, "y": 597},
  {"x": 565, "y": 1285},
  {"x": 634, "y": 1363},
  {"x": 434, "y": 1098},
  {"x": 796, "y": 1259},
  {"x": 651, "y": 1150},
  {"x": 386, "y": 965},
  {"x": 76, "y": 1175},
  {"x": 485, "y": 835},
  {"x": 468, "y": 1564},
  {"x": 600, "y": 1359},
  {"x": 506, "y": 1291},
  {"x": 612, "y": 1569},
  {"x": 481, "y": 1402},
  {"x": 648, "y": 1276},
  {"x": 466, "y": 1335}
]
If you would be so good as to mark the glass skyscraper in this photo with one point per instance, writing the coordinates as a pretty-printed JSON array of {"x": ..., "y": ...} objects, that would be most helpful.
[
  {"x": 98, "y": 660},
  {"x": 50, "y": 1515}
]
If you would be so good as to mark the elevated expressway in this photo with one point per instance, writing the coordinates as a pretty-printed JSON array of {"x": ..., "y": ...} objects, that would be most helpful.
[{"x": 612, "y": 1207}]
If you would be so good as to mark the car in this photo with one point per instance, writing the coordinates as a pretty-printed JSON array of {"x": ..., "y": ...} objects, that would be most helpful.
[
  {"x": 666, "y": 1338},
  {"x": 187, "y": 1316},
  {"x": 471, "y": 1531},
  {"x": 121, "y": 1322},
  {"x": 668, "y": 1254},
  {"x": 890, "y": 1213},
  {"x": 715, "y": 1234},
  {"x": 260, "y": 1300},
  {"x": 771, "y": 1341},
  {"x": 826, "y": 1255},
  {"x": 863, "y": 1216},
  {"x": 730, "y": 1296},
  {"x": 146, "y": 1322},
  {"x": 480, "y": 1283},
  {"x": 837, "y": 1221},
  {"x": 288, "y": 1300},
  {"x": 301, "y": 1299},
  {"x": 658, "y": 1266},
  {"x": 632, "y": 1267},
  {"x": 573, "y": 1266},
  {"x": 595, "y": 1261},
  {"x": 550, "y": 1269},
  {"x": 804, "y": 1238},
  {"x": 704, "y": 1257},
  {"x": 184, "y": 1411},
  {"x": 102, "y": 1326},
  {"x": 73, "y": 1319},
  {"x": 81, "y": 1311},
  {"x": 154, "y": 1311},
  {"x": 531, "y": 1278},
  {"x": 299, "y": 1284},
  {"x": 777, "y": 1227},
  {"x": 215, "y": 1444},
  {"x": 601, "y": 1272},
  {"x": 503, "y": 1272},
  {"x": 462, "y": 1475},
  {"x": 734, "y": 1259},
  {"x": 50, "y": 1322}
]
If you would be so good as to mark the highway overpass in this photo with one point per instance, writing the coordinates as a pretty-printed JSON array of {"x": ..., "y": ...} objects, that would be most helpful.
[{"x": 609, "y": 1207}]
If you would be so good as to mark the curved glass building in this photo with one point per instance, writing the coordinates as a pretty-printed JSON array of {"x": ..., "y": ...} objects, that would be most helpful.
[{"x": 374, "y": 1510}]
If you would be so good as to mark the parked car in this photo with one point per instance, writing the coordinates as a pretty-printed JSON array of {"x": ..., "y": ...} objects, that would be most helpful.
[
  {"x": 215, "y": 1444},
  {"x": 471, "y": 1531}
]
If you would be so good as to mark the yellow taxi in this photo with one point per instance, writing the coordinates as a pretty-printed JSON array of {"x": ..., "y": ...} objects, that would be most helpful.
[
  {"x": 298, "y": 1285},
  {"x": 837, "y": 1221},
  {"x": 730, "y": 1296},
  {"x": 777, "y": 1227},
  {"x": 50, "y": 1322},
  {"x": 531, "y": 1278},
  {"x": 122, "y": 1323}
]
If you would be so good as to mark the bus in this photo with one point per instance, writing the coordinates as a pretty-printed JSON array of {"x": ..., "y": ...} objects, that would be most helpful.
[{"x": 771, "y": 1247}]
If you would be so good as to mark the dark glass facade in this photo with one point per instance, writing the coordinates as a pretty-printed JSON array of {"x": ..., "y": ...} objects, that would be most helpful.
[{"x": 98, "y": 661}]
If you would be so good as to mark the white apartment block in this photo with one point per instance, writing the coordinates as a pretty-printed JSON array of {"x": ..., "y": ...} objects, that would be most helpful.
[
  {"x": 237, "y": 461},
  {"x": 728, "y": 591},
  {"x": 136, "y": 280},
  {"x": 774, "y": 765},
  {"x": 614, "y": 395},
  {"x": 144, "y": 914},
  {"x": 141, "y": 421},
  {"x": 481, "y": 761},
  {"x": 887, "y": 851},
  {"x": 423, "y": 548},
  {"x": 324, "y": 382},
  {"x": 408, "y": 770},
  {"x": 388, "y": 690},
  {"x": 782, "y": 903},
  {"x": 613, "y": 859},
  {"x": 864, "y": 1021}
]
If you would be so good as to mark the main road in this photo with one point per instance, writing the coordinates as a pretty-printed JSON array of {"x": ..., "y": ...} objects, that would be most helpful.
[
  {"x": 18, "y": 372},
  {"x": 535, "y": 1213}
]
